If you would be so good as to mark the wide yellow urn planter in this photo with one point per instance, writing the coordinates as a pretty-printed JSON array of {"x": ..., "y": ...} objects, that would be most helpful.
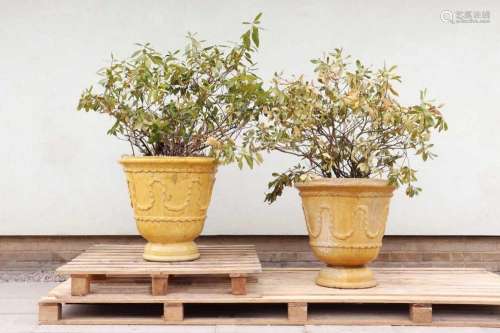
[
  {"x": 346, "y": 221},
  {"x": 170, "y": 197}
]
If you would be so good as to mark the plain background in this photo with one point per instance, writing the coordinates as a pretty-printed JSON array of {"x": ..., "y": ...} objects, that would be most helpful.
[{"x": 59, "y": 172}]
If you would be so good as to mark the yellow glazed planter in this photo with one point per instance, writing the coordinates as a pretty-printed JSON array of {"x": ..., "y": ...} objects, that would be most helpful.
[
  {"x": 346, "y": 222},
  {"x": 170, "y": 197}
]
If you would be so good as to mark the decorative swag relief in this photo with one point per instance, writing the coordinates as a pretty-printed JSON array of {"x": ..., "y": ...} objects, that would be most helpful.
[
  {"x": 323, "y": 224},
  {"x": 164, "y": 207}
]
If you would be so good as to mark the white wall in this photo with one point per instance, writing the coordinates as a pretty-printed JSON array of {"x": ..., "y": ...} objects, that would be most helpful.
[{"x": 59, "y": 175}]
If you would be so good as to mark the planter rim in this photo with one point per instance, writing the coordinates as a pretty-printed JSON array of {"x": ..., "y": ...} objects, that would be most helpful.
[
  {"x": 127, "y": 159},
  {"x": 344, "y": 183}
]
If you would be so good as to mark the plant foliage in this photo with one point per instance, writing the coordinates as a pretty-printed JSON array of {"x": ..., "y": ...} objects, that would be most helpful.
[
  {"x": 347, "y": 123},
  {"x": 199, "y": 102}
]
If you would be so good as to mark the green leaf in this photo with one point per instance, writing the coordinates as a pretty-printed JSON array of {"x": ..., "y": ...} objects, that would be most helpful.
[
  {"x": 249, "y": 160},
  {"x": 246, "y": 40},
  {"x": 257, "y": 18},
  {"x": 255, "y": 36}
]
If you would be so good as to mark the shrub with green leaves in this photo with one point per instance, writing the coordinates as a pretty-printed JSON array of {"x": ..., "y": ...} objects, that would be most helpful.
[
  {"x": 347, "y": 123},
  {"x": 202, "y": 101}
]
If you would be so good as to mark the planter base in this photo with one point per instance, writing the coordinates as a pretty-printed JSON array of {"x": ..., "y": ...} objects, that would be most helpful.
[
  {"x": 346, "y": 277},
  {"x": 185, "y": 251}
]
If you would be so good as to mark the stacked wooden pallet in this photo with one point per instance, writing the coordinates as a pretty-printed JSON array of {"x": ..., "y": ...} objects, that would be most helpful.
[
  {"x": 117, "y": 279},
  {"x": 100, "y": 261}
]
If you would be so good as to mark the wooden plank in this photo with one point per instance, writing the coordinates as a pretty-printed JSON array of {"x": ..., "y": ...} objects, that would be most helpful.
[
  {"x": 49, "y": 312},
  {"x": 173, "y": 312},
  {"x": 297, "y": 312},
  {"x": 421, "y": 313},
  {"x": 159, "y": 285},
  {"x": 431, "y": 270},
  {"x": 80, "y": 284},
  {"x": 238, "y": 284},
  {"x": 373, "y": 319}
]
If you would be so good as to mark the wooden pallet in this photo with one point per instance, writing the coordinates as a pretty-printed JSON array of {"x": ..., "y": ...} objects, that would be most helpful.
[
  {"x": 101, "y": 261},
  {"x": 437, "y": 297}
]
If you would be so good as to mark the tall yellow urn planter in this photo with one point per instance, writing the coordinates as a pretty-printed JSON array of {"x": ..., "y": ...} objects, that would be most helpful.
[
  {"x": 170, "y": 197},
  {"x": 346, "y": 221}
]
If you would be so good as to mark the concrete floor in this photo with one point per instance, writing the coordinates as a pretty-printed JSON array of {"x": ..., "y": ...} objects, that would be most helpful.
[{"x": 18, "y": 314}]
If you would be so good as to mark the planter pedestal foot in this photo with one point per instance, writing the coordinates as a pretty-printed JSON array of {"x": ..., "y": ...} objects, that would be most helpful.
[
  {"x": 346, "y": 277},
  {"x": 184, "y": 251}
]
